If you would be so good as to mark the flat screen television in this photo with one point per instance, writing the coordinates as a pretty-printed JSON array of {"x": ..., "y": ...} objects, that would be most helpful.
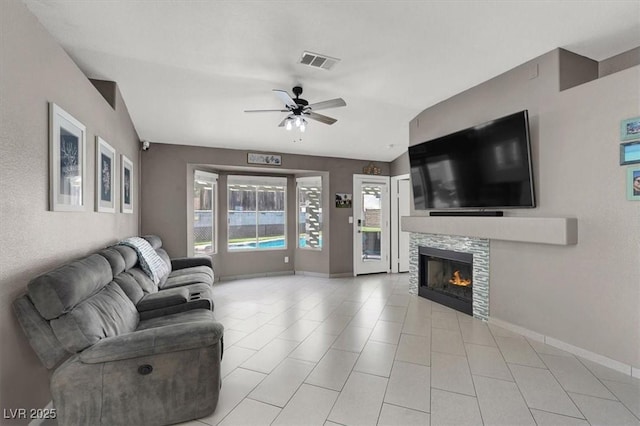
[{"x": 483, "y": 167}]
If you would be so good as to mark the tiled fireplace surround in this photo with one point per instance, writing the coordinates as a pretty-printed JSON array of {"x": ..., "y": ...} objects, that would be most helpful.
[{"x": 479, "y": 247}]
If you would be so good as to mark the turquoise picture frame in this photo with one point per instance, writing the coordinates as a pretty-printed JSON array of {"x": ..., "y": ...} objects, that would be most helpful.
[
  {"x": 630, "y": 129},
  {"x": 633, "y": 183}
]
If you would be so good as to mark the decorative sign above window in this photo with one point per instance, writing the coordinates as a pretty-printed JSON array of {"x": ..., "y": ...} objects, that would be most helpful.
[{"x": 266, "y": 159}]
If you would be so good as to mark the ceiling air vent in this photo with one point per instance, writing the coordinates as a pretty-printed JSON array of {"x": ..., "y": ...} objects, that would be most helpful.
[{"x": 317, "y": 60}]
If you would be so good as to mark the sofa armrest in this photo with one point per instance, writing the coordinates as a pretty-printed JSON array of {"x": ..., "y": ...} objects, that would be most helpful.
[
  {"x": 189, "y": 262},
  {"x": 162, "y": 299},
  {"x": 154, "y": 341}
]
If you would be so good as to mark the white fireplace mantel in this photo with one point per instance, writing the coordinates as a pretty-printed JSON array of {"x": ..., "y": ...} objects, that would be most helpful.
[{"x": 542, "y": 230}]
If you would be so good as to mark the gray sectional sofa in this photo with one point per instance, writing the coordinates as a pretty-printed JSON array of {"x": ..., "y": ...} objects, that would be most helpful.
[{"x": 124, "y": 350}]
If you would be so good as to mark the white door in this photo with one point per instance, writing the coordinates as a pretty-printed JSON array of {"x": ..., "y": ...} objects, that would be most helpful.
[
  {"x": 403, "y": 237},
  {"x": 370, "y": 224}
]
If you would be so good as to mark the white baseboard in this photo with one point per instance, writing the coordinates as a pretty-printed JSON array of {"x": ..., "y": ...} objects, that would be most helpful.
[
  {"x": 517, "y": 329},
  {"x": 312, "y": 274},
  {"x": 342, "y": 275},
  {"x": 275, "y": 274},
  {"x": 259, "y": 275},
  {"x": 323, "y": 275},
  {"x": 623, "y": 368}
]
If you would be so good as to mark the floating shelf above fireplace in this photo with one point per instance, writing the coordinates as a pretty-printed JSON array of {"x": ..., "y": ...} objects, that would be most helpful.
[{"x": 542, "y": 230}]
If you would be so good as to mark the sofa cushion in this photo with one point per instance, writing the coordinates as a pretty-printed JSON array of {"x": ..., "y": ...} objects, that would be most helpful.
[
  {"x": 165, "y": 257},
  {"x": 106, "y": 314},
  {"x": 148, "y": 258},
  {"x": 128, "y": 254},
  {"x": 146, "y": 283},
  {"x": 128, "y": 283},
  {"x": 59, "y": 291},
  {"x": 115, "y": 259},
  {"x": 154, "y": 240},
  {"x": 186, "y": 276},
  {"x": 204, "y": 270}
]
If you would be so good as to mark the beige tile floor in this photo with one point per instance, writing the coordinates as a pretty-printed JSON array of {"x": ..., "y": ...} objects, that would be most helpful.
[{"x": 302, "y": 350}]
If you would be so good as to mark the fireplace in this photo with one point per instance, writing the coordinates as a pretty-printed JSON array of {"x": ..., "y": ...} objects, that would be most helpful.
[{"x": 446, "y": 277}]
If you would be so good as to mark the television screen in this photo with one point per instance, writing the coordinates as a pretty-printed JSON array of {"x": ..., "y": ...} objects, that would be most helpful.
[{"x": 486, "y": 166}]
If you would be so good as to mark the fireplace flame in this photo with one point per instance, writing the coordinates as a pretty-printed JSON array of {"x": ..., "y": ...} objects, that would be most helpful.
[{"x": 457, "y": 280}]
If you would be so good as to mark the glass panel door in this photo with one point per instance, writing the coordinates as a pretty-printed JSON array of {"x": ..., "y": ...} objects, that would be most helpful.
[
  {"x": 370, "y": 230},
  {"x": 371, "y": 224}
]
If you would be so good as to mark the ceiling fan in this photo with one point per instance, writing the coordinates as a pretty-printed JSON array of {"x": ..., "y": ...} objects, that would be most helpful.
[{"x": 299, "y": 109}]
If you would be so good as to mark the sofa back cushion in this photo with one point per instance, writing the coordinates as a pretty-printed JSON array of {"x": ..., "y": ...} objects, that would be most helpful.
[
  {"x": 131, "y": 287},
  {"x": 59, "y": 291},
  {"x": 107, "y": 313},
  {"x": 128, "y": 254},
  {"x": 146, "y": 284},
  {"x": 165, "y": 257},
  {"x": 154, "y": 240},
  {"x": 115, "y": 259}
]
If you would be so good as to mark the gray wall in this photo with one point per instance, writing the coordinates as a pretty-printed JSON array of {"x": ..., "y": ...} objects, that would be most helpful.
[
  {"x": 33, "y": 71},
  {"x": 400, "y": 166},
  {"x": 585, "y": 295},
  {"x": 620, "y": 62},
  {"x": 166, "y": 170}
]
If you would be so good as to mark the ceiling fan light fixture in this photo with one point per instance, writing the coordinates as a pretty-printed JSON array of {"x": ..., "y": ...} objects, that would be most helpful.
[{"x": 299, "y": 109}]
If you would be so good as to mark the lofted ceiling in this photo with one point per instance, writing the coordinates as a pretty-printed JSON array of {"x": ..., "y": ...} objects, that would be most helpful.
[{"x": 188, "y": 69}]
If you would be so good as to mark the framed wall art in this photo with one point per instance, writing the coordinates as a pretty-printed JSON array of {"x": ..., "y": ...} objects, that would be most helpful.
[
  {"x": 343, "y": 201},
  {"x": 633, "y": 183},
  {"x": 126, "y": 185},
  {"x": 105, "y": 177},
  {"x": 630, "y": 129},
  {"x": 630, "y": 153},
  {"x": 265, "y": 159},
  {"x": 67, "y": 159}
]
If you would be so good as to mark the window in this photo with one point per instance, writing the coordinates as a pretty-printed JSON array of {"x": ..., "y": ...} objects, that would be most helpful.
[
  {"x": 205, "y": 195},
  {"x": 310, "y": 212},
  {"x": 257, "y": 213}
]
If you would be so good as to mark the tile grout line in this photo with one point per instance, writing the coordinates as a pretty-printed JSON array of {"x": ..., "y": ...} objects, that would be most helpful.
[
  {"x": 515, "y": 382},
  {"x": 606, "y": 387},
  {"x": 473, "y": 382},
  {"x": 560, "y": 384}
]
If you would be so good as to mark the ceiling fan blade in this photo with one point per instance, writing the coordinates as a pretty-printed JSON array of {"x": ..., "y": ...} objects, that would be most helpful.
[
  {"x": 284, "y": 97},
  {"x": 266, "y": 110},
  {"x": 333, "y": 103},
  {"x": 321, "y": 118}
]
